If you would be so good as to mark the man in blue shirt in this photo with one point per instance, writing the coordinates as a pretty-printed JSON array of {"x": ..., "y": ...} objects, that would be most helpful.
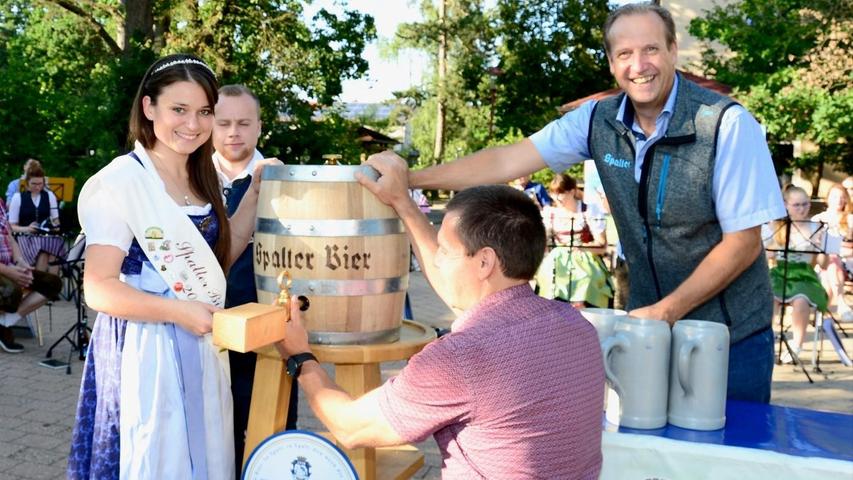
[
  {"x": 15, "y": 185},
  {"x": 689, "y": 179},
  {"x": 235, "y": 137}
]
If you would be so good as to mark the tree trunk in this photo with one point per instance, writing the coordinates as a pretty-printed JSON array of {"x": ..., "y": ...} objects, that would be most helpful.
[
  {"x": 160, "y": 32},
  {"x": 441, "y": 97},
  {"x": 138, "y": 21},
  {"x": 816, "y": 179}
]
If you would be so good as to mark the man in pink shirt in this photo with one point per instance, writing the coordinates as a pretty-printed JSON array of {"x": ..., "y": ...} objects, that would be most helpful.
[{"x": 515, "y": 390}]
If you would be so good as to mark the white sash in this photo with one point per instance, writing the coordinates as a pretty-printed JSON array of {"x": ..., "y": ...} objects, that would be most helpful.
[{"x": 188, "y": 266}]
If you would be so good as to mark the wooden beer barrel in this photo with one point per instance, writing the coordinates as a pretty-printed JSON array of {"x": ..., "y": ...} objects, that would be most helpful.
[{"x": 345, "y": 250}]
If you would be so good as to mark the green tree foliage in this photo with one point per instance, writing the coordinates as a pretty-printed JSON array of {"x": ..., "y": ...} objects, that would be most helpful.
[
  {"x": 293, "y": 68},
  {"x": 791, "y": 64},
  {"x": 510, "y": 67},
  {"x": 468, "y": 43},
  {"x": 69, "y": 71},
  {"x": 58, "y": 99},
  {"x": 814, "y": 102},
  {"x": 763, "y": 36},
  {"x": 550, "y": 52}
]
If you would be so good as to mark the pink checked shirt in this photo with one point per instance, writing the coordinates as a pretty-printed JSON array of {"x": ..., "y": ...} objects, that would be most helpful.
[
  {"x": 6, "y": 253},
  {"x": 514, "y": 392}
]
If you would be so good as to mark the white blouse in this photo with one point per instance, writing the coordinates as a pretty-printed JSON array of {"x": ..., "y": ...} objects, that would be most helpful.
[
  {"x": 108, "y": 227},
  {"x": 15, "y": 206}
]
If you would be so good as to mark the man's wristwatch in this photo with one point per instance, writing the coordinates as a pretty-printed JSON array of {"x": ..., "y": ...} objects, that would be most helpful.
[{"x": 294, "y": 363}]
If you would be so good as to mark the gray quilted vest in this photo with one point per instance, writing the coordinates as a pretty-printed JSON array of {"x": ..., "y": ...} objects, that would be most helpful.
[{"x": 667, "y": 223}]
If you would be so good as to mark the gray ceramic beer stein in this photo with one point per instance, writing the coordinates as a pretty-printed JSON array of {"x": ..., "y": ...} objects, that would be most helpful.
[
  {"x": 636, "y": 362},
  {"x": 698, "y": 375},
  {"x": 603, "y": 319}
]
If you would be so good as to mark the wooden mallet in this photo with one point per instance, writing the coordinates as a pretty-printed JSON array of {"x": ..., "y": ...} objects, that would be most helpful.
[{"x": 253, "y": 325}]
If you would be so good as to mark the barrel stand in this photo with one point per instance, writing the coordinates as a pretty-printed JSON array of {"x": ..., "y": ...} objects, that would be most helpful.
[{"x": 357, "y": 372}]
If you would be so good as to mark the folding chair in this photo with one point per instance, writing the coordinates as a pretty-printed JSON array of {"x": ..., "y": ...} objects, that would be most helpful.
[{"x": 825, "y": 329}]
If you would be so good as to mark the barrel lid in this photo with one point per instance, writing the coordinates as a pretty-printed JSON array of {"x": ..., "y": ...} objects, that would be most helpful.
[{"x": 304, "y": 454}]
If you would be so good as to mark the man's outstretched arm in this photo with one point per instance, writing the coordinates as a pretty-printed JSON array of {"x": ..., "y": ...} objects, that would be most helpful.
[
  {"x": 392, "y": 189},
  {"x": 490, "y": 166},
  {"x": 723, "y": 264},
  {"x": 353, "y": 422}
]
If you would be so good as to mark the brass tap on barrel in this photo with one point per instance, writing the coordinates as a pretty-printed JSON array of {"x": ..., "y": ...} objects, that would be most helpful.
[
  {"x": 332, "y": 158},
  {"x": 285, "y": 282}
]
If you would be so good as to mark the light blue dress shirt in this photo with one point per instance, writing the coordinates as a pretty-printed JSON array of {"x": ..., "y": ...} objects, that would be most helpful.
[
  {"x": 746, "y": 192},
  {"x": 13, "y": 188}
]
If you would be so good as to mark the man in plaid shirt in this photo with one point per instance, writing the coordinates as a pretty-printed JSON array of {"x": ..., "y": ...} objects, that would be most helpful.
[{"x": 22, "y": 289}]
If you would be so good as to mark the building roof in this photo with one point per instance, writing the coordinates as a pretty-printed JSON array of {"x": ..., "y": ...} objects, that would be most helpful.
[
  {"x": 712, "y": 85},
  {"x": 366, "y": 135}
]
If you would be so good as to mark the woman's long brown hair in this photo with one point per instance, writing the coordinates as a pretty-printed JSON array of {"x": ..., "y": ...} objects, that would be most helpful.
[
  {"x": 202, "y": 175},
  {"x": 843, "y": 227}
]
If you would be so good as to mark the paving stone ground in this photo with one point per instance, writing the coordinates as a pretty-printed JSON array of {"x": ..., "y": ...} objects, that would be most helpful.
[{"x": 37, "y": 404}]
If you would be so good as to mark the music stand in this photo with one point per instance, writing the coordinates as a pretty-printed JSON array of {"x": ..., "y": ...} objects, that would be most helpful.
[
  {"x": 817, "y": 245},
  {"x": 553, "y": 245},
  {"x": 78, "y": 334}
]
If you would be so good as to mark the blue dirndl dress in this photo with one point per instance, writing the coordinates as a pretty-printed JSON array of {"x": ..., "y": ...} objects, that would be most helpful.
[{"x": 96, "y": 445}]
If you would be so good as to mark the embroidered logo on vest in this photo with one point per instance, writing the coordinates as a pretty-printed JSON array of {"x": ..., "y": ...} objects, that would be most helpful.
[{"x": 612, "y": 161}]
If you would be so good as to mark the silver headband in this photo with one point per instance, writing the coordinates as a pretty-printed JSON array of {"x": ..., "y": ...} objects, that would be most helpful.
[{"x": 183, "y": 61}]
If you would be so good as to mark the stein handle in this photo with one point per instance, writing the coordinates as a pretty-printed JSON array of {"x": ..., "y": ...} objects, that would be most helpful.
[
  {"x": 607, "y": 346},
  {"x": 683, "y": 365}
]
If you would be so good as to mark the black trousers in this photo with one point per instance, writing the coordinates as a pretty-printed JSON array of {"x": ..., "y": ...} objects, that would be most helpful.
[
  {"x": 242, "y": 378},
  {"x": 11, "y": 294}
]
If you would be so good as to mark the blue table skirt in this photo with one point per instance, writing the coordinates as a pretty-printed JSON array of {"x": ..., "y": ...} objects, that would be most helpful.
[{"x": 791, "y": 431}]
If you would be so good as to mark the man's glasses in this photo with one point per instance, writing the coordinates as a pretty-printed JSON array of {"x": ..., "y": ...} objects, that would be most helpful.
[{"x": 800, "y": 205}]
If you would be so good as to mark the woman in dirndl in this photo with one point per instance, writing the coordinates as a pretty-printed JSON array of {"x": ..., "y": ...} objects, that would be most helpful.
[
  {"x": 34, "y": 218},
  {"x": 573, "y": 270},
  {"x": 838, "y": 220},
  {"x": 792, "y": 276},
  {"x": 155, "y": 398}
]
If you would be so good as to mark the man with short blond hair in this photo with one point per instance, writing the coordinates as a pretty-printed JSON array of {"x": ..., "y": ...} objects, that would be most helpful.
[{"x": 236, "y": 131}]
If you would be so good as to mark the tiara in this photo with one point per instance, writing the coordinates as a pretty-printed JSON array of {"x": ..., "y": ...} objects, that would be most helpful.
[{"x": 183, "y": 61}]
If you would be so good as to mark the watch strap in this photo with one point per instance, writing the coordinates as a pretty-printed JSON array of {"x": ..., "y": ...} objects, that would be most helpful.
[{"x": 294, "y": 363}]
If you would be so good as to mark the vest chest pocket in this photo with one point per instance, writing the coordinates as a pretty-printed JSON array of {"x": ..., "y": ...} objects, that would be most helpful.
[{"x": 679, "y": 193}]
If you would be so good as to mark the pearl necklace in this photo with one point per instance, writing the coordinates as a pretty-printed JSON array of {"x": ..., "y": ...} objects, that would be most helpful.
[{"x": 186, "y": 197}]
